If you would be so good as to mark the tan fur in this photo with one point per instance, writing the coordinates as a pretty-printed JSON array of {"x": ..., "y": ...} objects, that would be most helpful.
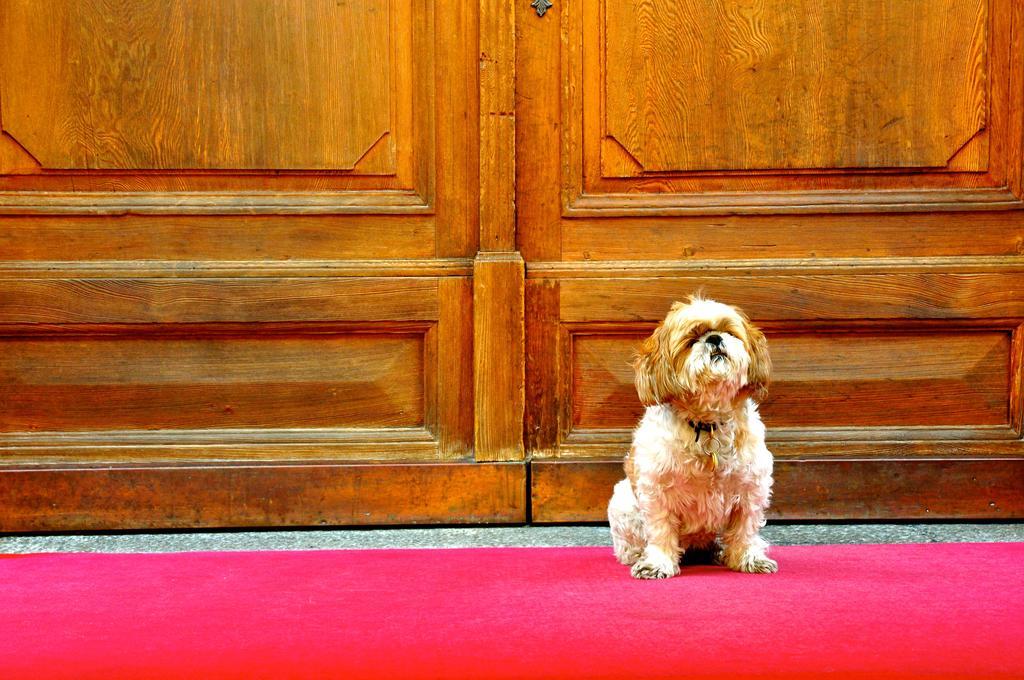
[{"x": 686, "y": 487}]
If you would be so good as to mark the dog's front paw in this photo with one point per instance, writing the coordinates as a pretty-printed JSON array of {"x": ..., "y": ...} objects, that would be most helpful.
[
  {"x": 757, "y": 564},
  {"x": 646, "y": 570},
  {"x": 655, "y": 564}
]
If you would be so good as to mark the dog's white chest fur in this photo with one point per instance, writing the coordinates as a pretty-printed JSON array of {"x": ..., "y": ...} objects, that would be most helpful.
[
  {"x": 699, "y": 476},
  {"x": 693, "y": 489}
]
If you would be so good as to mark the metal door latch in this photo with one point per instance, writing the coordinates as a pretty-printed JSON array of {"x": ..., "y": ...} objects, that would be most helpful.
[{"x": 541, "y": 6}]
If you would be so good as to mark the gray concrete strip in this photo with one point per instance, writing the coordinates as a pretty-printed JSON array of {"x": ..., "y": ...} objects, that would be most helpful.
[{"x": 462, "y": 537}]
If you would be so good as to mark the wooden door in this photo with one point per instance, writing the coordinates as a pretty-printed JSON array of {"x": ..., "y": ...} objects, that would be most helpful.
[
  {"x": 847, "y": 171},
  {"x": 237, "y": 240},
  {"x": 262, "y": 261}
]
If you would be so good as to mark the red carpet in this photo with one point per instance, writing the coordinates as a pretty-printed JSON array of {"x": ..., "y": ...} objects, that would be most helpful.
[{"x": 843, "y": 611}]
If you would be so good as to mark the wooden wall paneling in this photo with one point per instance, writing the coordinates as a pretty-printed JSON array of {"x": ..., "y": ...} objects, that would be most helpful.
[
  {"x": 224, "y": 300},
  {"x": 606, "y": 146},
  {"x": 817, "y": 490},
  {"x": 497, "y": 125},
  {"x": 768, "y": 237},
  {"x": 877, "y": 369},
  {"x": 454, "y": 372},
  {"x": 936, "y": 376},
  {"x": 940, "y": 292},
  {"x": 554, "y": 150},
  {"x": 127, "y": 136},
  {"x": 538, "y": 128},
  {"x": 498, "y": 350},
  {"x": 271, "y": 495},
  {"x": 137, "y": 126},
  {"x": 236, "y": 304},
  {"x": 1015, "y": 116},
  {"x": 896, "y": 336},
  {"x": 551, "y": 150},
  {"x": 541, "y": 428},
  {"x": 74, "y": 381},
  {"x": 498, "y": 286},
  {"x": 1016, "y": 415},
  {"x": 456, "y": 76},
  {"x": 718, "y": 68},
  {"x": 918, "y": 384},
  {"x": 353, "y": 368},
  {"x": 184, "y": 240},
  {"x": 900, "y": 361}
]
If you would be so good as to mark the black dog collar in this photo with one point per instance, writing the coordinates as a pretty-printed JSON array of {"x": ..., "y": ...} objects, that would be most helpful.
[{"x": 700, "y": 426}]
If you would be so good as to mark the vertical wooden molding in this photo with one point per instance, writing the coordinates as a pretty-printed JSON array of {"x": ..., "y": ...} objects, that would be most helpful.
[
  {"x": 498, "y": 272},
  {"x": 455, "y": 367},
  {"x": 541, "y": 432},
  {"x": 497, "y": 125},
  {"x": 1017, "y": 381},
  {"x": 498, "y": 357}
]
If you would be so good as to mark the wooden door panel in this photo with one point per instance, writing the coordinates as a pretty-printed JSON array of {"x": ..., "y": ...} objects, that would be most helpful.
[
  {"x": 817, "y": 490},
  {"x": 171, "y": 300},
  {"x": 235, "y": 107},
  {"x": 236, "y": 259},
  {"x": 732, "y": 107},
  {"x": 143, "y": 370},
  {"x": 260, "y": 495},
  {"x": 144, "y": 96},
  {"x": 222, "y": 242},
  {"x": 907, "y": 236},
  {"x": 697, "y": 86},
  {"x": 828, "y": 379},
  {"x": 873, "y": 292},
  {"x": 849, "y": 173},
  {"x": 199, "y": 381},
  {"x": 942, "y": 374}
]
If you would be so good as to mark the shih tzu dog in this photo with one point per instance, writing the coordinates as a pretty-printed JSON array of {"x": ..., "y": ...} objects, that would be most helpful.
[{"x": 698, "y": 475}]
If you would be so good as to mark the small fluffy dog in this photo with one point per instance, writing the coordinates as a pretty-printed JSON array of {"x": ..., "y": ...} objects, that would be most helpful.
[{"x": 698, "y": 474}]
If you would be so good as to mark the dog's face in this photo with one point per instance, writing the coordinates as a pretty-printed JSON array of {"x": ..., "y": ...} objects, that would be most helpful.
[{"x": 704, "y": 351}]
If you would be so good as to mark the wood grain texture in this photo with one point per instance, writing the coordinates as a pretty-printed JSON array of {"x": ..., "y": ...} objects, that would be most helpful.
[
  {"x": 893, "y": 284},
  {"x": 765, "y": 237},
  {"x": 816, "y": 490},
  {"x": 57, "y": 383},
  {"x": 497, "y": 125},
  {"x": 942, "y": 377},
  {"x": 242, "y": 233},
  {"x": 154, "y": 301},
  {"x": 245, "y": 239},
  {"x": 742, "y": 85},
  {"x": 890, "y": 379},
  {"x": 181, "y": 273},
  {"x": 236, "y": 368},
  {"x": 541, "y": 433},
  {"x": 538, "y": 133},
  {"x": 186, "y": 84},
  {"x": 779, "y": 115},
  {"x": 809, "y": 443},
  {"x": 498, "y": 343},
  {"x": 455, "y": 26},
  {"x": 424, "y": 162},
  {"x": 877, "y": 358},
  {"x": 220, "y": 446},
  {"x": 193, "y": 496},
  {"x": 453, "y": 377},
  {"x": 148, "y": 269},
  {"x": 838, "y": 296}
]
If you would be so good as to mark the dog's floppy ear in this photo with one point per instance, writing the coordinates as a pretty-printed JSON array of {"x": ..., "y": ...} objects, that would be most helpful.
[
  {"x": 655, "y": 378},
  {"x": 760, "y": 369}
]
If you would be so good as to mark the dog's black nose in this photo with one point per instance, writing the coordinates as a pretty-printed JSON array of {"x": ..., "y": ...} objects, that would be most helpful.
[{"x": 713, "y": 340}]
